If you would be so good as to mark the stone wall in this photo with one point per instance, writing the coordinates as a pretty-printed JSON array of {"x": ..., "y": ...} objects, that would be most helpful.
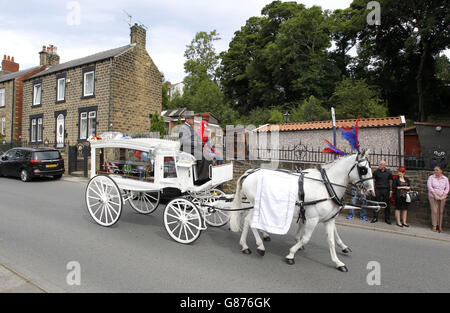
[
  {"x": 418, "y": 213},
  {"x": 6, "y": 111}
]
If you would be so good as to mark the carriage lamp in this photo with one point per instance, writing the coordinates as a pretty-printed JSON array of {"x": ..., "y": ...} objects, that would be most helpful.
[
  {"x": 46, "y": 143},
  {"x": 438, "y": 129},
  {"x": 286, "y": 117}
]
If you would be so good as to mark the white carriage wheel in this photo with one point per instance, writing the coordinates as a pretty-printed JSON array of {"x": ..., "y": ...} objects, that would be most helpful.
[
  {"x": 183, "y": 220},
  {"x": 214, "y": 217},
  {"x": 104, "y": 200},
  {"x": 144, "y": 202}
]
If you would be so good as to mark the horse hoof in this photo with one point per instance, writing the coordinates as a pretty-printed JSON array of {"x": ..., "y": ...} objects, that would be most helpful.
[
  {"x": 290, "y": 261},
  {"x": 347, "y": 250},
  {"x": 261, "y": 252},
  {"x": 247, "y": 251},
  {"x": 267, "y": 239},
  {"x": 343, "y": 269}
]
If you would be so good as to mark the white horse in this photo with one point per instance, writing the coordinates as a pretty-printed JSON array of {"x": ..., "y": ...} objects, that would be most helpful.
[{"x": 349, "y": 169}]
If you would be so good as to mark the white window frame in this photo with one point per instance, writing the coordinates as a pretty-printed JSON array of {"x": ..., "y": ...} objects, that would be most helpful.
[
  {"x": 2, "y": 97},
  {"x": 35, "y": 93},
  {"x": 33, "y": 130},
  {"x": 92, "y": 115},
  {"x": 83, "y": 117},
  {"x": 40, "y": 129},
  {"x": 3, "y": 126},
  {"x": 61, "y": 89},
  {"x": 85, "y": 84}
]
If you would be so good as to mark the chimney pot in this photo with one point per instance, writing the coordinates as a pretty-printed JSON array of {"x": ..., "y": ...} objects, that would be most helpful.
[
  {"x": 9, "y": 58},
  {"x": 12, "y": 59},
  {"x": 4, "y": 57}
]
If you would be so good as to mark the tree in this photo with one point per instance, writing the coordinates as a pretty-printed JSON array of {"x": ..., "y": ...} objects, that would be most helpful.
[
  {"x": 310, "y": 110},
  {"x": 158, "y": 125},
  {"x": 403, "y": 48},
  {"x": 276, "y": 117},
  {"x": 354, "y": 98}
]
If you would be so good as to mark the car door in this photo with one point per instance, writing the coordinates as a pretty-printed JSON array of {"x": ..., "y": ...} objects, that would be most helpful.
[
  {"x": 7, "y": 161},
  {"x": 17, "y": 163}
]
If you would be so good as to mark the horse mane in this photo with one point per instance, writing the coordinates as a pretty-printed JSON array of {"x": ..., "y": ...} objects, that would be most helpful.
[{"x": 332, "y": 163}]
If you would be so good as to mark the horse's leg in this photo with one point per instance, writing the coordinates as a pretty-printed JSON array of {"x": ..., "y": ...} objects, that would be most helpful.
[
  {"x": 330, "y": 229},
  {"x": 259, "y": 243},
  {"x": 266, "y": 236},
  {"x": 299, "y": 234},
  {"x": 340, "y": 243},
  {"x": 243, "y": 240},
  {"x": 309, "y": 227}
]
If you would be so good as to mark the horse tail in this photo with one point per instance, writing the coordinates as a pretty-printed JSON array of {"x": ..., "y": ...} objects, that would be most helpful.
[{"x": 235, "y": 218}]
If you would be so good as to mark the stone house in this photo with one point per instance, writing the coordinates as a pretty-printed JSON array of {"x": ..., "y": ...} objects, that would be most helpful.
[
  {"x": 11, "y": 98},
  {"x": 114, "y": 90}
]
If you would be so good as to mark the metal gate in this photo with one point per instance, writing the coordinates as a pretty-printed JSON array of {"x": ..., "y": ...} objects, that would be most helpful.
[{"x": 79, "y": 159}]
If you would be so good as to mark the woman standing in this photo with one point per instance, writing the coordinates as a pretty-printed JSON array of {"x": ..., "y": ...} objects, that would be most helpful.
[
  {"x": 400, "y": 186},
  {"x": 438, "y": 188}
]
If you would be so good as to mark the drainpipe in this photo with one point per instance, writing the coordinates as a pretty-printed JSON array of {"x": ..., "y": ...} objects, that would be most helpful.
[
  {"x": 110, "y": 94},
  {"x": 12, "y": 109}
]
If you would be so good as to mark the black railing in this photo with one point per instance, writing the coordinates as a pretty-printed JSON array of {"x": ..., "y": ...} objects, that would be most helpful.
[{"x": 304, "y": 154}]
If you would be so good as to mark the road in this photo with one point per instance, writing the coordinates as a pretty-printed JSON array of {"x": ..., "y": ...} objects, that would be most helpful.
[{"x": 44, "y": 225}]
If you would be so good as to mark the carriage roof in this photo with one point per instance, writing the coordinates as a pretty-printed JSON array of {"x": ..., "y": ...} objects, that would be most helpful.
[{"x": 144, "y": 144}]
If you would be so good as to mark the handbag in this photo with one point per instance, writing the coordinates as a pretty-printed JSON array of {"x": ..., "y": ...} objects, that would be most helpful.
[{"x": 412, "y": 196}]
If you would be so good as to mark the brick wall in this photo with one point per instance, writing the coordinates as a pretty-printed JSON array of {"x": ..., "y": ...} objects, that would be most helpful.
[
  {"x": 418, "y": 213},
  {"x": 136, "y": 91}
]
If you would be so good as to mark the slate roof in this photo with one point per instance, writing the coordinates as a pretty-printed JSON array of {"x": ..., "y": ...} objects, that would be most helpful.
[
  {"x": 82, "y": 61},
  {"x": 11, "y": 76},
  {"x": 369, "y": 122}
]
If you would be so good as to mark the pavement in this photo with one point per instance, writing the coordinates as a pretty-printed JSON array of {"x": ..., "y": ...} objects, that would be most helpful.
[{"x": 39, "y": 237}]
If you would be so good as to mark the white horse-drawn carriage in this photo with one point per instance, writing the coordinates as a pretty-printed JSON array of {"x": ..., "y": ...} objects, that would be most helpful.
[{"x": 140, "y": 170}]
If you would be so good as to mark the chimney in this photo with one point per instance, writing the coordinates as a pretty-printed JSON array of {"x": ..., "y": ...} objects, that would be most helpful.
[
  {"x": 48, "y": 56},
  {"x": 8, "y": 64},
  {"x": 138, "y": 36}
]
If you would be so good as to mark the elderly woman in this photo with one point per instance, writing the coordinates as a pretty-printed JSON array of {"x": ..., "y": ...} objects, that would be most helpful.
[
  {"x": 438, "y": 188},
  {"x": 401, "y": 185}
]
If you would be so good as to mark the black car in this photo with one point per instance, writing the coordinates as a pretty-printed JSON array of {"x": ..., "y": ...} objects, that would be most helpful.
[{"x": 29, "y": 163}]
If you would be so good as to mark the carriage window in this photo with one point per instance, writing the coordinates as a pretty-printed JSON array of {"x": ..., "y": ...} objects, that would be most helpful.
[
  {"x": 170, "y": 170},
  {"x": 128, "y": 163}
]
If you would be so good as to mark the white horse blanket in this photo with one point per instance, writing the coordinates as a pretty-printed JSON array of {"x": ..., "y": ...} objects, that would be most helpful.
[{"x": 275, "y": 199}]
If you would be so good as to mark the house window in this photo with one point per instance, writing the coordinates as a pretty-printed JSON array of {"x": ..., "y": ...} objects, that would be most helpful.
[
  {"x": 88, "y": 124},
  {"x": 39, "y": 129},
  {"x": 83, "y": 125},
  {"x": 2, "y": 97},
  {"x": 33, "y": 130},
  {"x": 88, "y": 84},
  {"x": 37, "y": 93},
  {"x": 36, "y": 129},
  {"x": 3, "y": 126},
  {"x": 61, "y": 92},
  {"x": 92, "y": 123}
]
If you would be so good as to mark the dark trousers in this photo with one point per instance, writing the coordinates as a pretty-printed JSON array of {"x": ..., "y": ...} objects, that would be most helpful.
[{"x": 383, "y": 196}]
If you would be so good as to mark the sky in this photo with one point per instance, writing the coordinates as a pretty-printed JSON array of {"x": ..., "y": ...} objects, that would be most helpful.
[{"x": 84, "y": 27}]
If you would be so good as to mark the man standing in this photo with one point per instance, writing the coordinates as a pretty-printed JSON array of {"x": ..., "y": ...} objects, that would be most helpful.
[{"x": 383, "y": 190}]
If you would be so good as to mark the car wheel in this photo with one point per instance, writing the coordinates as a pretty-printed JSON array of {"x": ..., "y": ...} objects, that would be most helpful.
[
  {"x": 57, "y": 176},
  {"x": 24, "y": 176}
]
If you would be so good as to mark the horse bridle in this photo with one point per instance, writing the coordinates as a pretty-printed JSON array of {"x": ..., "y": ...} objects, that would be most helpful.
[{"x": 362, "y": 170}]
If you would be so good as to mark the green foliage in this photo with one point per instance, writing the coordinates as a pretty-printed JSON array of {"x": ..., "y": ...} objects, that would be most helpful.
[
  {"x": 276, "y": 117},
  {"x": 310, "y": 110},
  {"x": 353, "y": 98},
  {"x": 443, "y": 68},
  {"x": 165, "y": 96},
  {"x": 157, "y": 124}
]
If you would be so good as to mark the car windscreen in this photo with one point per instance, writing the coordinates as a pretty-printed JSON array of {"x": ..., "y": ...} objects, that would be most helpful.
[{"x": 46, "y": 155}]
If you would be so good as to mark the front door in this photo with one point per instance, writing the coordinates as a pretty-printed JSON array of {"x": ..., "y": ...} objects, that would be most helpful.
[{"x": 60, "y": 131}]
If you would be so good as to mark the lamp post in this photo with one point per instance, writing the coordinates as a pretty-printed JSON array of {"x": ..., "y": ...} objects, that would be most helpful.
[{"x": 286, "y": 117}]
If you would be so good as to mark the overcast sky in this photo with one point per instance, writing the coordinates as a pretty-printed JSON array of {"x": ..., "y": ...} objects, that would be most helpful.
[{"x": 84, "y": 27}]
